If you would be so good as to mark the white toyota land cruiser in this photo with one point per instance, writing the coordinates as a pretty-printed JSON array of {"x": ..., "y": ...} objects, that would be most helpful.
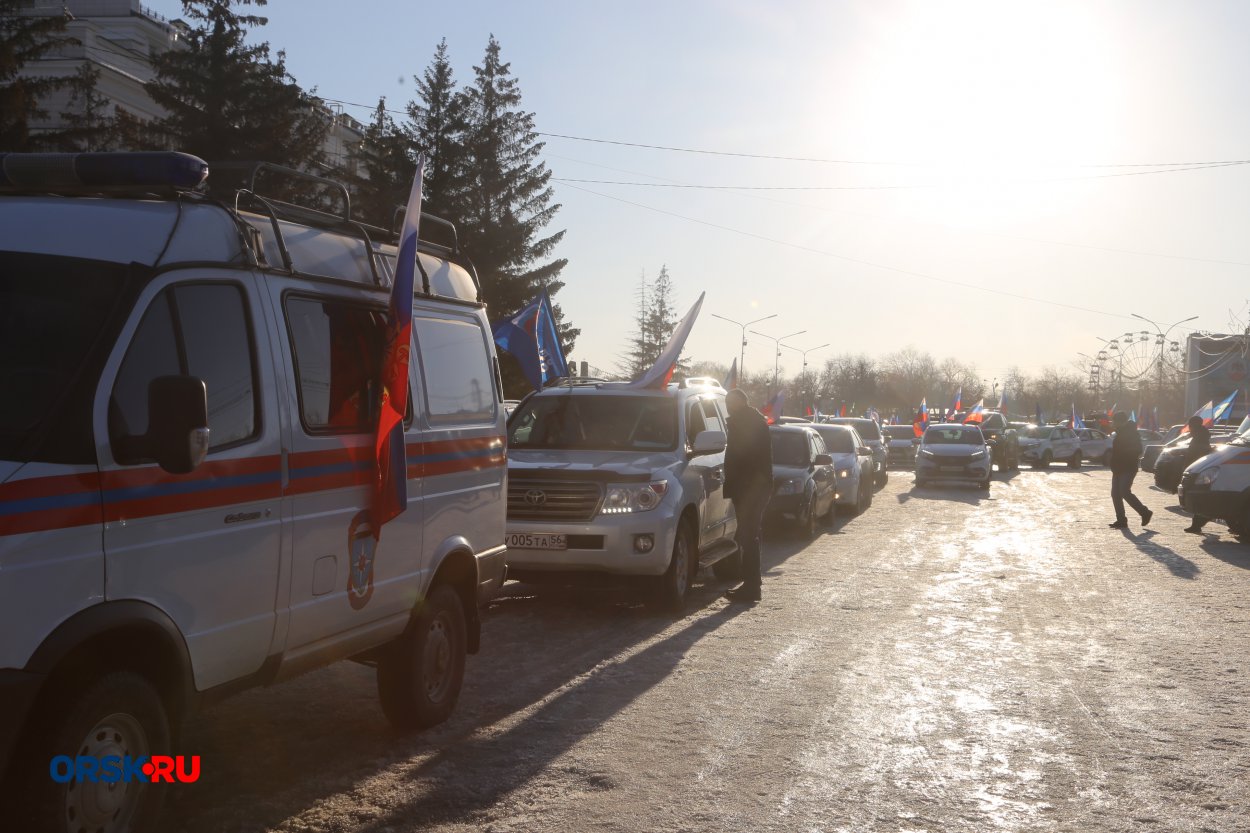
[{"x": 608, "y": 480}]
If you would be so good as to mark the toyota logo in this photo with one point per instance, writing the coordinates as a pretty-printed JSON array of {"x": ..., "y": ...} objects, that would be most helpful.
[{"x": 535, "y": 497}]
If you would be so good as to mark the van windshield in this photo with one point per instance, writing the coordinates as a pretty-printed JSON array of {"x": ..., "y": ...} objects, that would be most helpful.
[
  {"x": 52, "y": 313},
  {"x": 595, "y": 423}
]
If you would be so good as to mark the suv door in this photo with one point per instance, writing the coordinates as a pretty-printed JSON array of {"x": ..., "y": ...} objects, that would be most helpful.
[
  {"x": 204, "y": 547},
  {"x": 701, "y": 472},
  {"x": 719, "y": 509}
]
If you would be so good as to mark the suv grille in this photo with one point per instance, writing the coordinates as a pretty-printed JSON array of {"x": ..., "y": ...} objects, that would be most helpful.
[{"x": 560, "y": 501}]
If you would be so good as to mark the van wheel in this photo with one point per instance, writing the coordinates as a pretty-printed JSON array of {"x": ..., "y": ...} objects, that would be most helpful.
[
  {"x": 674, "y": 585},
  {"x": 119, "y": 714},
  {"x": 1075, "y": 462},
  {"x": 420, "y": 673}
]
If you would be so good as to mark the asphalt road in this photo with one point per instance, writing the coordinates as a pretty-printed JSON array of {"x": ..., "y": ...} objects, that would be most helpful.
[{"x": 950, "y": 661}]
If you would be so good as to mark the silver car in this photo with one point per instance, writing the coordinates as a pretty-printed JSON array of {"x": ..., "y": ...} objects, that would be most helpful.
[{"x": 954, "y": 452}]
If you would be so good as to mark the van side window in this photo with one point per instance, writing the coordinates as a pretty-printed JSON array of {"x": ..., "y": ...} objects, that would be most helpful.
[
  {"x": 455, "y": 366},
  {"x": 197, "y": 330},
  {"x": 338, "y": 352}
]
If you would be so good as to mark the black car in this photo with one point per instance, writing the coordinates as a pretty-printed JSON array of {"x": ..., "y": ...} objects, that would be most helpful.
[
  {"x": 1175, "y": 458},
  {"x": 803, "y": 478}
]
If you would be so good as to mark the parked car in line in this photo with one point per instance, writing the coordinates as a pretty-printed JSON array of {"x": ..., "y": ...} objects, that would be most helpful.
[
  {"x": 793, "y": 420},
  {"x": 870, "y": 433},
  {"x": 1095, "y": 445},
  {"x": 803, "y": 479},
  {"x": 1218, "y": 485},
  {"x": 902, "y": 441},
  {"x": 1148, "y": 436},
  {"x": 1041, "y": 445},
  {"x": 951, "y": 451},
  {"x": 1151, "y": 451},
  {"x": 187, "y": 468},
  {"x": 615, "y": 484},
  {"x": 1000, "y": 436},
  {"x": 1175, "y": 458},
  {"x": 852, "y": 466}
]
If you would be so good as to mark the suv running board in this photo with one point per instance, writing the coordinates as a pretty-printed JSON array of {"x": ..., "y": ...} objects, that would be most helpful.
[{"x": 720, "y": 549}]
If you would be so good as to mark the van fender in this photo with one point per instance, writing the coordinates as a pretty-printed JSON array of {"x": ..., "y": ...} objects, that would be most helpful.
[{"x": 454, "y": 563}]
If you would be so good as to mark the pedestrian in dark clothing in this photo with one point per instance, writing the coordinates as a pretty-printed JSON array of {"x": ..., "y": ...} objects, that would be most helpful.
[
  {"x": 749, "y": 484},
  {"x": 1125, "y": 458},
  {"x": 1199, "y": 447}
]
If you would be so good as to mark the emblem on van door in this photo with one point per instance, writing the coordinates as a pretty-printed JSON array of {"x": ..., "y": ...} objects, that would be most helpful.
[
  {"x": 361, "y": 547},
  {"x": 535, "y": 497}
]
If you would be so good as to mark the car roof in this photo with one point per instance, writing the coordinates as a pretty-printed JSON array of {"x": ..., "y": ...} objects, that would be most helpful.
[{"x": 792, "y": 429}]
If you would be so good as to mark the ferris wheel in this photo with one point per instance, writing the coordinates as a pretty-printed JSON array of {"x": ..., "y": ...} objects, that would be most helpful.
[{"x": 1130, "y": 361}]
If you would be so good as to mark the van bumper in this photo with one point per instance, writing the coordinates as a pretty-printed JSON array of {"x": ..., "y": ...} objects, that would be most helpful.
[
  {"x": 17, "y": 698},
  {"x": 1202, "y": 501},
  {"x": 492, "y": 571}
]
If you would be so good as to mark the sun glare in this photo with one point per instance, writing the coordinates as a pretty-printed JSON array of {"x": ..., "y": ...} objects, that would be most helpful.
[{"x": 992, "y": 96}]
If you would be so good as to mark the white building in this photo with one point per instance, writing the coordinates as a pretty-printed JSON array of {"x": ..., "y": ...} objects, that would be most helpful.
[{"x": 119, "y": 38}]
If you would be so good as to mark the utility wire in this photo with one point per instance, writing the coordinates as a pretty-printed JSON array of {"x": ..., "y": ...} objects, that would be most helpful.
[{"x": 895, "y": 269}]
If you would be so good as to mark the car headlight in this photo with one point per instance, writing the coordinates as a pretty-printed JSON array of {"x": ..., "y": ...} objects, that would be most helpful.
[
  {"x": 624, "y": 498},
  {"x": 789, "y": 487},
  {"x": 1207, "y": 476},
  {"x": 978, "y": 454},
  {"x": 844, "y": 472}
]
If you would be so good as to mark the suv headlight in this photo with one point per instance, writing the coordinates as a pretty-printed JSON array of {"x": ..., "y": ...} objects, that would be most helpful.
[
  {"x": 1207, "y": 476},
  {"x": 789, "y": 487},
  {"x": 624, "y": 498}
]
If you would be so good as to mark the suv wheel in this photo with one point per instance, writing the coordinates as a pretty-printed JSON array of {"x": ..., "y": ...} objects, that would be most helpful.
[
  {"x": 420, "y": 673},
  {"x": 1075, "y": 462},
  {"x": 882, "y": 478},
  {"x": 675, "y": 583},
  {"x": 120, "y": 714}
]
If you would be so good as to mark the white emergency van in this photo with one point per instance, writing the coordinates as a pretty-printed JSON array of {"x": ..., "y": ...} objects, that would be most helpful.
[{"x": 189, "y": 380}]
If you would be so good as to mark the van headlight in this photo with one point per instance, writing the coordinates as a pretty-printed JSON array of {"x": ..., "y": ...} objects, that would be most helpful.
[
  {"x": 624, "y": 498},
  {"x": 789, "y": 487},
  {"x": 1207, "y": 476}
]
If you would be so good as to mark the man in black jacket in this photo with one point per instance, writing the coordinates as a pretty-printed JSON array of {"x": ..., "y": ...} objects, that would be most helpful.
[
  {"x": 749, "y": 484},
  {"x": 1125, "y": 458},
  {"x": 1199, "y": 447}
]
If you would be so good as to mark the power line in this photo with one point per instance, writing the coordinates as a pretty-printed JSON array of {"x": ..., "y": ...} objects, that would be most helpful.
[{"x": 847, "y": 258}]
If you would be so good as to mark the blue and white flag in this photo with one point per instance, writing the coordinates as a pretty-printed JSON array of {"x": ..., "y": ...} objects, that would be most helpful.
[
  {"x": 662, "y": 371},
  {"x": 531, "y": 337},
  {"x": 1224, "y": 409}
]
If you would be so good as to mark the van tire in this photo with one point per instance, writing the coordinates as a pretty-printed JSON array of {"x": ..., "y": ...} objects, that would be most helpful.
[
  {"x": 120, "y": 713},
  {"x": 672, "y": 588},
  {"x": 421, "y": 672}
]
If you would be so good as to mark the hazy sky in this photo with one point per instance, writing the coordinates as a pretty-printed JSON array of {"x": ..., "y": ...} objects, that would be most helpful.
[{"x": 979, "y": 143}]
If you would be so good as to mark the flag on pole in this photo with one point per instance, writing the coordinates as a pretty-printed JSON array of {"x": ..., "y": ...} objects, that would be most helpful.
[
  {"x": 958, "y": 401},
  {"x": 1002, "y": 401},
  {"x": 390, "y": 484},
  {"x": 1077, "y": 422},
  {"x": 661, "y": 373},
  {"x": 530, "y": 337},
  {"x": 921, "y": 421},
  {"x": 731, "y": 380},
  {"x": 1224, "y": 409},
  {"x": 775, "y": 407},
  {"x": 977, "y": 414},
  {"x": 842, "y": 410},
  {"x": 1111, "y": 411}
]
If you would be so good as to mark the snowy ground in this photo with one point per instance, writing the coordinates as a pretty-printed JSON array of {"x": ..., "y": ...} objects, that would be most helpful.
[{"x": 950, "y": 661}]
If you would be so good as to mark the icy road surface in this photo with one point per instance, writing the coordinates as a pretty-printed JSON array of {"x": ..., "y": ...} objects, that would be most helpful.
[{"x": 949, "y": 661}]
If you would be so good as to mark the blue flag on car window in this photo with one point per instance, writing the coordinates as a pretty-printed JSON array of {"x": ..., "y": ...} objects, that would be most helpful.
[{"x": 530, "y": 337}]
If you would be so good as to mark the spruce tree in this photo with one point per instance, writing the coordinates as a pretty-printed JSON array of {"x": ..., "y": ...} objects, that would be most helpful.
[
  {"x": 507, "y": 198},
  {"x": 24, "y": 39},
  {"x": 384, "y": 170},
  {"x": 228, "y": 100},
  {"x": 89, "y": 125},
  {"x": 436, "y": 127}
]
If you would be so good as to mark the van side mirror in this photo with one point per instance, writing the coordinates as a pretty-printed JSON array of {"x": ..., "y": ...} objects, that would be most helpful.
[
  {"x": 178, "y": 435},
  {"x": 708, "y": 442}
]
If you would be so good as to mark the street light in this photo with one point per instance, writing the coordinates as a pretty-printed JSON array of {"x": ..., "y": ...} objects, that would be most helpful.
[
  {"x": 742, "y": 351},
  {"x": 777, "y": 357},
  {"x": 1161, "y": 340},
  {"x": 804, "y": 353}
]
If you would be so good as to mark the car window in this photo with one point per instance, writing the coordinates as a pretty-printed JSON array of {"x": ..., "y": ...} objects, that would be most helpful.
[
  {"x": 197, "y": 330},
  {"x": 818, "y": 445},
  {"x": 338, "y": 353},
  {"x": 455, "y": 370},
  {"x": 711, "y": 416},
  {"x": 790, "y": 448},
  {"x": 953, "y": 434},
  {"x": 838, "y": 440},
  {"x": 694, "y": 420}
]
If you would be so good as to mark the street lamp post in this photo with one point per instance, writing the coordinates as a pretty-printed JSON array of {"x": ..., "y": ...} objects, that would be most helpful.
[
  {"x": 742, "y": 351},
  {"x": 804, "y": 353},
  {"x": 1161, "y": 341},
  {"x": 777, "y": 355}
]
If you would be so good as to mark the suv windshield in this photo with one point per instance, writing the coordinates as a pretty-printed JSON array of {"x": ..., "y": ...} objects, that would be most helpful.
[
  {"x": 52, "y": 312},
  {"x": 595, "y": 423},
  {"x": 953, "y": 435},
  {"x": 790, "y": 448},
  {"x": 837, "y": 439}
]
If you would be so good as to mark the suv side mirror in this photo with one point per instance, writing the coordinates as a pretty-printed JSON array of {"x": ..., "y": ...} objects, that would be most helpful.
[
  {"x": 177, "y": 437},
  {"x": 823, "y": 460},
  {"x": 863, "y": 449},
  {"x": 709, "y": 442}
]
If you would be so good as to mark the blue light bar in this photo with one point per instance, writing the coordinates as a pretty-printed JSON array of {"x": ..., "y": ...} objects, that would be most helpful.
[{"x": 110, "y": 171}]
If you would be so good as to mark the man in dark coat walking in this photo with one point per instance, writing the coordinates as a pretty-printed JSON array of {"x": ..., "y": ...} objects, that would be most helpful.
[
  {"x": 749, "y": 484},
  {"x": 1199, "y": 447},
  {"x": 1125, "y": 458}
]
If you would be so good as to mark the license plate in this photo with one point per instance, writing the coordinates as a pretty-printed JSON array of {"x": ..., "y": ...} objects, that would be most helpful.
[
  {"x": 537, "y": 540},
  {"x": 952, "y": 468}
]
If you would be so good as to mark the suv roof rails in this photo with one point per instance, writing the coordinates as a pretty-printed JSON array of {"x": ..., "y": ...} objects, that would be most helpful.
[{"x": 575, "y": 382}]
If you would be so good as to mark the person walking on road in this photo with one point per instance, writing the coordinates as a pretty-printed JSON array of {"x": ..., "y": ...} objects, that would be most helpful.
[
  {"x": 1199, "y": 447},
  {"x": 1125, "y": 458},
  {"x": 749, "y": 484}
]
